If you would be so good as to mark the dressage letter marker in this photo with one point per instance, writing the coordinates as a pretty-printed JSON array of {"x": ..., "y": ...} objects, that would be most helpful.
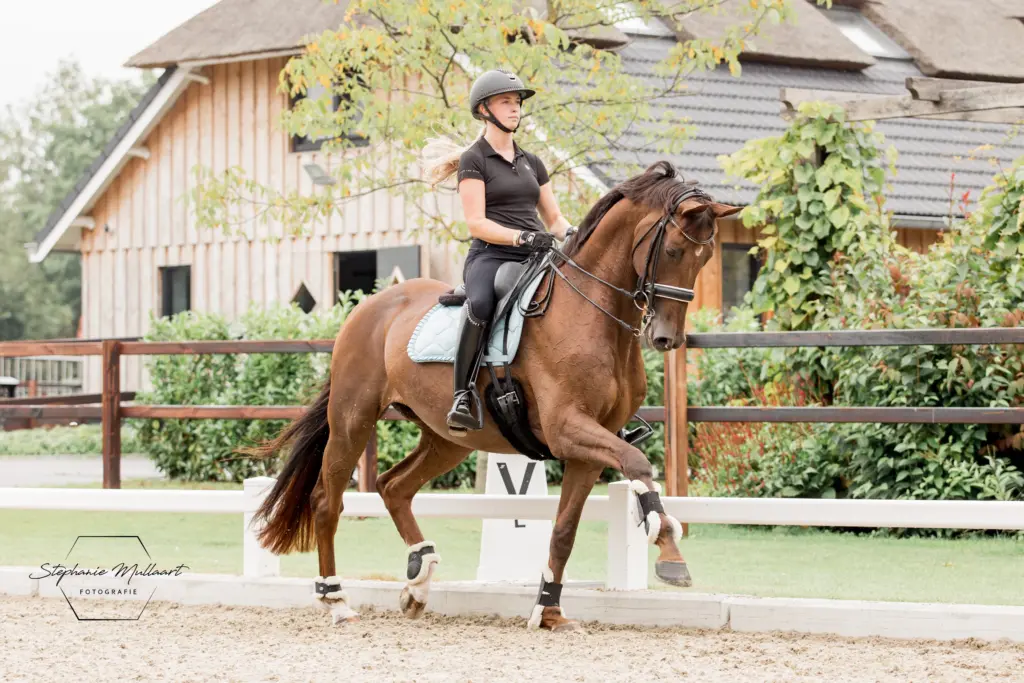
[
  {"x": 512, "y": 549},
  {"x": 510, "y": 488}
]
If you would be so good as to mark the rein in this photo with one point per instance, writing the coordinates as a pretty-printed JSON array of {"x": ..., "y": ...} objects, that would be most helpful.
[{"x": 647, "y": 288}]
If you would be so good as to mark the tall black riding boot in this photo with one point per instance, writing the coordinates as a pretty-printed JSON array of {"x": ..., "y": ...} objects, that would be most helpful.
[{"x": 471, "y": 339}]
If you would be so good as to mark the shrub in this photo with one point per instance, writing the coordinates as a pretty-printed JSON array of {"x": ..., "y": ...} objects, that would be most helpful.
[{"x": 860, "y": 279}]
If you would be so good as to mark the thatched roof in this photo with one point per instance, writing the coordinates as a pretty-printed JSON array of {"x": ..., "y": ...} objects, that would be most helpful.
[
  {"x": 811, "y": 38},
  {"x": 234, "y": 28},
  {"x": 955, "y": 38}
]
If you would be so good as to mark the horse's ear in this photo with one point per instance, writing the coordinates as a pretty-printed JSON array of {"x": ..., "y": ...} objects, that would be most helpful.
[{"x": 725, "y": 210}]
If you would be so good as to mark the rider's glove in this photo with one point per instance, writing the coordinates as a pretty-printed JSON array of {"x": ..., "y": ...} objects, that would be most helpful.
[{"x": 536, "y": 241}]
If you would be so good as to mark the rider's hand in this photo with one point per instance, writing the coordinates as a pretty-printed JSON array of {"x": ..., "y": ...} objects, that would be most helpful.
[{"x": 537, "y": 241}]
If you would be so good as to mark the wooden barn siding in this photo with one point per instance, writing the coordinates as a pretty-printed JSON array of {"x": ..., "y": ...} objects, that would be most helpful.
[{"x": 143, "y": 223}]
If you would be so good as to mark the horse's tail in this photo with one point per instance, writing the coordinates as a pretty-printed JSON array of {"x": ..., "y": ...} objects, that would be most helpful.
[{"x": 287, "y": 509}]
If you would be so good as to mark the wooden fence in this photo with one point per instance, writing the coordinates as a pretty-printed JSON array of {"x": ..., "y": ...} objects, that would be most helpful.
[
  {"x": 676, "y": 414},
  {"x": 40, "y": 376}
]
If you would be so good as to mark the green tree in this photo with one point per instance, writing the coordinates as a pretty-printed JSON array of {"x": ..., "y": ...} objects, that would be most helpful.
[
  {"x": 426, "y": 53},
  {"x": 46, "y": 145}
]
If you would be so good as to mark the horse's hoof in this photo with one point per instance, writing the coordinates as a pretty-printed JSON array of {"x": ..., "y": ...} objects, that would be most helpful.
[
  {"x": 341, "y": 613},
  {"x": 673, "y": 573},
  {"x": 552, "y": 619},
  {"x": 568, "y": 626},
  {"x": 352, "y": 619},
  {"x": 411, "y": 607}
]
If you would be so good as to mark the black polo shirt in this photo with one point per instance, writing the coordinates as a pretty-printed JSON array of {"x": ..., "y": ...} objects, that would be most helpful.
[{"x": 511, "y": 190}]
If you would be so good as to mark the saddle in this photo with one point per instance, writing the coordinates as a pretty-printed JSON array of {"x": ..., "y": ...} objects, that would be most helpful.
[{"x": 515, "y": 285}]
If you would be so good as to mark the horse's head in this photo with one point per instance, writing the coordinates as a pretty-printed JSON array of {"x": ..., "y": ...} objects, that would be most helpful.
[
  {"x": 670, "y": 246},
  {"x": 672, "y": 238}
]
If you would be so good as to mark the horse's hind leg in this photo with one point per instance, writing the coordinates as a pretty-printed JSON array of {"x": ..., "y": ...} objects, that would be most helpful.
[
  {"x": 351, "y": 428},
  {"x": 431, "y": 458}
]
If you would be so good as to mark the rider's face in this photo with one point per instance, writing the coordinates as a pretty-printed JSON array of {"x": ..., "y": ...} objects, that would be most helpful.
[{"x": 507, "y": 108}]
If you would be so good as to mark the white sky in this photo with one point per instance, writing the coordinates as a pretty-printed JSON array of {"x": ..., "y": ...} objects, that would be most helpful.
[{"x": 101, "y": 34}]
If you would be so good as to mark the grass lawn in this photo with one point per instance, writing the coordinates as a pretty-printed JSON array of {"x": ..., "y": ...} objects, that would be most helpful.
[
  {"x": 789, "y": 562},
  {"x": 85, "y": 440}
]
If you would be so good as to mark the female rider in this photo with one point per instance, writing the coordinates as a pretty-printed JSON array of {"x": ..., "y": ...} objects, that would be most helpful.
[{"x": 502, "y": 187}]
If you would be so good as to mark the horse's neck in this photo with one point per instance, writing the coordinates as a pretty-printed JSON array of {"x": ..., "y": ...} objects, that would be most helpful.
[{"x": 607, "y": 253}]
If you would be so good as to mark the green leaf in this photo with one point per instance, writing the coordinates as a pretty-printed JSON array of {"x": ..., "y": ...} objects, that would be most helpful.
[
  {"x": 831, "y": 197},
  {"x": 791, "y": 284},
  {"x": 840, "y": 217}
]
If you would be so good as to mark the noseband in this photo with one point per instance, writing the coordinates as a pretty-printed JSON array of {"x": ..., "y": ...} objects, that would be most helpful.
[{"x": 647, "y": 288}]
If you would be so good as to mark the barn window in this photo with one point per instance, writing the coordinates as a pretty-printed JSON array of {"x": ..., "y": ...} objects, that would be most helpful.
[
  {"x": 739, "y": 271},
  {"x": 360, "y": 270},
  {"x": 304, "y": 299},
  {"x": 303, "y": 143},
  {"x": 176, "y": 290}
]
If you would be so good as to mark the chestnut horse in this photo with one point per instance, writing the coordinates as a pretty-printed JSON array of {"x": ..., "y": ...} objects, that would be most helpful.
[{"x": 628, "y": 271}]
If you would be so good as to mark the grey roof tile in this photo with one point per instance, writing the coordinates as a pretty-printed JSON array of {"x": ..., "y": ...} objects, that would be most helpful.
[{"x": 729, "y": 111}]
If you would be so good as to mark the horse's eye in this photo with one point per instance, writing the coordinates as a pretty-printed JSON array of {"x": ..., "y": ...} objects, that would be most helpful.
[{"x": 674, "y": 252}]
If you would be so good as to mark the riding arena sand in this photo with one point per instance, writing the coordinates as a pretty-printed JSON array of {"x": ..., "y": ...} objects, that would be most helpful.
[{"x": 42, "y": 641}]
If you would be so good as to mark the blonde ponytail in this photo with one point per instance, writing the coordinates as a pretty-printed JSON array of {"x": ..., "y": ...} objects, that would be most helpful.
[{"x": 441, "y": 157}]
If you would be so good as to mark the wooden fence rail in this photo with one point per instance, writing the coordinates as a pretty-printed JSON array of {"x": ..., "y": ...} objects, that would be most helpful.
[{"x": 676, "y": 414}]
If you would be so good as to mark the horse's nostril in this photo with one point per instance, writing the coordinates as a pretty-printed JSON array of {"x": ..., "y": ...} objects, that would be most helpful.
[{"x": 662, "y": 343}]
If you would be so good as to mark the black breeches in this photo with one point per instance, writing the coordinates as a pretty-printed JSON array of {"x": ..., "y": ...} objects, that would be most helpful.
[{"x": 478, "y": 274}]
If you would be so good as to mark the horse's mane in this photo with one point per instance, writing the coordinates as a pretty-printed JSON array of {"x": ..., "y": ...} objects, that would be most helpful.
[{"x": 659, "y": 186}]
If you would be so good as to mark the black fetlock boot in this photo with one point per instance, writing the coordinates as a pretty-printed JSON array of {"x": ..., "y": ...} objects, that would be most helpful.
[{"x": 471, "y": 339}]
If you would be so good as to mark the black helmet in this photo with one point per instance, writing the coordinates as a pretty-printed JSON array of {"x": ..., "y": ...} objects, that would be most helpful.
[{"x": 495, "y": 82}]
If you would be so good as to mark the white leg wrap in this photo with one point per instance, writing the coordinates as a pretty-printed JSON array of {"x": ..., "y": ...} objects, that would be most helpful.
[
  {"x": 638, "y": 486},
  {"x": 429, "y": 562},
  {"x": 335, "y": 602},
  {"x": 653, "y": 526},
  {"x": 534, "y": 623},
  {"x": 653, "y": 518}
]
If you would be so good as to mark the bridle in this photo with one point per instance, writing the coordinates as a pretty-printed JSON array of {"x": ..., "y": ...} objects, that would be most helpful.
[{"x": 647, "y": 288}]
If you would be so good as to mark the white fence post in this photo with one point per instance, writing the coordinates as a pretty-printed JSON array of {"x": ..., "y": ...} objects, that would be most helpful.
[
  {"x": 627, "y": 542},
  {"x": 256, "y": 561}
]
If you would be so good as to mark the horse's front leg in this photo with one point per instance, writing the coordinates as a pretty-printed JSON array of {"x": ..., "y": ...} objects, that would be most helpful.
[
  {"x": 578, "y": 437},
  {"x": 577, "y": 481}
]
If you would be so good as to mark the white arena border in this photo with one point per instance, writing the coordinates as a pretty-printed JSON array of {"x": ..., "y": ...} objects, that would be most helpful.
[
  {"x": 681, "y": 609},
  {"x": 624, "y": 598}
]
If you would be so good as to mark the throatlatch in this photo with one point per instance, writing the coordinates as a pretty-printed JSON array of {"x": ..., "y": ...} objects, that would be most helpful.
[{"x": 549, "y": 595}]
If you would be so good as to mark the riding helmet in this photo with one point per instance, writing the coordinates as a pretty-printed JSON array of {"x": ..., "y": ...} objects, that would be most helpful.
[{"x": 495, "y": 82}]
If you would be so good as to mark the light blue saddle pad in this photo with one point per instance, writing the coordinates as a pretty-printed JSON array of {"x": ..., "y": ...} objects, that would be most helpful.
[{"x": 436, "y": 336}]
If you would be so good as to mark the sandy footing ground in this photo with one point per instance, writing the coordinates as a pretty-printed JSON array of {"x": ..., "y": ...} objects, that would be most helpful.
[{"x": 41, "y": 640}]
